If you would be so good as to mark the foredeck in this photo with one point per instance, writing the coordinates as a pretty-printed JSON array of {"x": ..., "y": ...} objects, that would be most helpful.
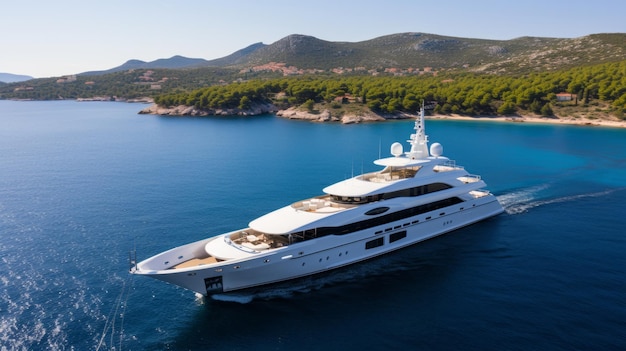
[{"x": 196, "y": 262}]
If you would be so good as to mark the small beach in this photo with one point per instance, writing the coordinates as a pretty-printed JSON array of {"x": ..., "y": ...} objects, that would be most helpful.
[{"x": 613, "y": 123}]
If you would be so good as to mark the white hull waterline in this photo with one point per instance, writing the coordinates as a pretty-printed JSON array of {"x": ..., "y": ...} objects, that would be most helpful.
[{"x": 416, "y": 196}]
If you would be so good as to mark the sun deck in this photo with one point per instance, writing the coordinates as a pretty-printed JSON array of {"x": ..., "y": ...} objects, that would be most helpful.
[
  {"x": 470, "y": 178},
  {"x": 320, "y": 205},
  {"x": 479, "y": 193},
  {"x": 390, "y": 174},
  {"x": 251, "y": 239},
  {"x": 449, "y": 165}
]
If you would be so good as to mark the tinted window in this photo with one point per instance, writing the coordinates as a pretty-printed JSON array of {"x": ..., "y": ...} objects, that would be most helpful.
[
  {"x": 374, "y": 243},
  {"x": 397, "y": 236},
  {"x": 377, "y": 210}
]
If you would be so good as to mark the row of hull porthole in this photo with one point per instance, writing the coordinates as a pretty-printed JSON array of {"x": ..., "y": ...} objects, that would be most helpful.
[
  {"x": 327, "y": 258},
  {"x": 303, "y": 263}
]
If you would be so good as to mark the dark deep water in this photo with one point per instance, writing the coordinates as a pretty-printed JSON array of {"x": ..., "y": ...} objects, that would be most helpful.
[{"x": 81, "y": 184}]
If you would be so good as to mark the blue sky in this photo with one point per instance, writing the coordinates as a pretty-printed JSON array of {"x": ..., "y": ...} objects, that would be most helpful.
[{"x": 47, "y": 38}]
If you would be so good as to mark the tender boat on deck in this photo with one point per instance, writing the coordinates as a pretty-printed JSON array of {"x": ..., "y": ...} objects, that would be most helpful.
[{"x": 416, "y": 196}]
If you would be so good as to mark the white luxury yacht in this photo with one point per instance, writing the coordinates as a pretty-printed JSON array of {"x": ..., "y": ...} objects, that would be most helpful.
[{"x": 416, "y": 196}]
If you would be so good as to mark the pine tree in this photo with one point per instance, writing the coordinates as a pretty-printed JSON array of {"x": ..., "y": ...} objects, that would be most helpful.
[{"x": 546, "y": 110}]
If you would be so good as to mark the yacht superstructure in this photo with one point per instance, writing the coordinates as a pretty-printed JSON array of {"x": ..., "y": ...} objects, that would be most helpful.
[{"x": 417, "y": 195}]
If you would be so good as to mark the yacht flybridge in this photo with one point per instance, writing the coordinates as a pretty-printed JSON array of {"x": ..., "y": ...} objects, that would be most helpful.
[{"x": 416, "y": 196}]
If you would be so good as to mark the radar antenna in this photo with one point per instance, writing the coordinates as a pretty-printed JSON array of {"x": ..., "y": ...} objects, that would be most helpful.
[{"x": 419, "y": 140}]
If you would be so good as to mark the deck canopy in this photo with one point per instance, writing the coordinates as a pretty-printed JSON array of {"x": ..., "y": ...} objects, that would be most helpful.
[
  {"x": 286, "y": 220},
  {"x": 399, "y": 162},
  {"x": 354, "y": 187}
]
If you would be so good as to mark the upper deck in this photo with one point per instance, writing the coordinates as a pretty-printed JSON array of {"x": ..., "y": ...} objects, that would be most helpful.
[
  {"x": 321, "y": 204},
  {"x": 390, "y": 174}
]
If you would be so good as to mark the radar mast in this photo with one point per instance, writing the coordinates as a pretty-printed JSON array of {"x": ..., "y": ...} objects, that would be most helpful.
[{"x": 419, "y": 140}]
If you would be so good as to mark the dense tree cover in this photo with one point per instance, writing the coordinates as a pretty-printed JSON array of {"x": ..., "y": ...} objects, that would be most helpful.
[
  {"x": 462, "y": 93},
  {"x": 236, "y": 95}
]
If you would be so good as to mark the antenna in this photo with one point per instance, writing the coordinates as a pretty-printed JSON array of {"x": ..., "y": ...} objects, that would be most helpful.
[
  {"x": 352, "y": 171},
  {"x": 419, "y": 140}
]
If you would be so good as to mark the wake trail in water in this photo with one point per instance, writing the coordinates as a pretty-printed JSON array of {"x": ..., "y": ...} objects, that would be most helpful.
[
  {"x": 525, "y": 199},
  {"x": 120, "y": 304},
  {"x": 520, "y": 197}
]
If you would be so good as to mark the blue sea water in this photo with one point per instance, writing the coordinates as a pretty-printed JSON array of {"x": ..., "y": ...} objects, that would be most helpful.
[{"x": 82, "y": 184}]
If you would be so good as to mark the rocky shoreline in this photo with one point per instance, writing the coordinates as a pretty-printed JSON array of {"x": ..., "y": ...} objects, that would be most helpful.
[
  {"x": 291, "y": 113},
  {"x": 327, "y": 116},
  {"x": 183, "y": 110},
  {"x": 363, "y": 117}
]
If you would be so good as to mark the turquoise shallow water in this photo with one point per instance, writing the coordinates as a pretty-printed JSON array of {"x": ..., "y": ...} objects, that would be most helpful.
[{"x": 81, "y": 184}]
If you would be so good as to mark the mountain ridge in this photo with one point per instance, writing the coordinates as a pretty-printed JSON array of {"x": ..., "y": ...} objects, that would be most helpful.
[
  {"x": 173, "y": 62},
  {"x": 13, "y": 78},
  {"x": 410, "y": 49}
]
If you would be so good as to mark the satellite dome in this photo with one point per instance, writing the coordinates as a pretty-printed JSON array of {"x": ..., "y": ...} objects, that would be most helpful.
[
  {"x": 436, "y": 149},
  {"x": 396, "y": 149}
]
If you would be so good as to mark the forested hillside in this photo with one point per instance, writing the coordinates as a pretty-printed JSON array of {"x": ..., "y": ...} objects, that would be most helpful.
[
  {"x": 131, "y": 84},
  {"x": 461, "y": 93}
]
